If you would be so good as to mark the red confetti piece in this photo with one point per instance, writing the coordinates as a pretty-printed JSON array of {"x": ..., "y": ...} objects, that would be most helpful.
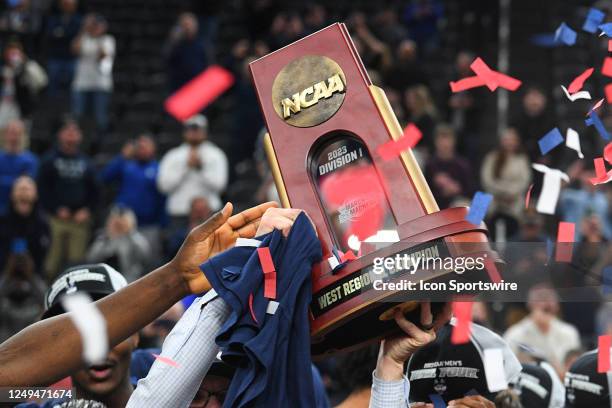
[
  {"x": 269, "y": 271},
  {"x": 165, "y": 360},
  {"x": 492, "y": 270},
  {"x": 493, "y": 79},
  {"x": 609, "y": 45},
  {"x": 528, "y": 196},
  {"x": 596, "y": 106},
  {"x": 579, "y": 81},
  {"x": 565, "y": 240},
  {"x": 608, "y": 91},
  {"x": 608, "y": 153},
  {"x": 603, "y": 353},
  {"x": 602, "y": 176},
  {"x": 199, "y": 92},
  {"x": 394, "y": 148},
  {"x": 251, "y": 308},
  {"x": 462, "y": 311},
  {"x": 466, "y": 83},
  {"x": 606, "y": 69},
  {"x": 347, "y": 256}
]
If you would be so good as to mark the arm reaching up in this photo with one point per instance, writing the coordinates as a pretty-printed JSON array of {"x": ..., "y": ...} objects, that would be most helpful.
[{"x": 51, "y": 349}]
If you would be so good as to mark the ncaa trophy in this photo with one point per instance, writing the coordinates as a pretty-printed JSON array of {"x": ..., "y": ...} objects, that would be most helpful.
[{"x": 325, "y": 119}]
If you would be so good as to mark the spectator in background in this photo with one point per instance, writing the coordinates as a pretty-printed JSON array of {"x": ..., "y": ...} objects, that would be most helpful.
[
  {"x": 315, "y": 18},
  {"x": 120, "y": 245},
  {"x": 136, "y": 170},
  {"x": 197, "y": 168},
  {"x": 199, "y": 212},
  {"x": 422, "y": 112},
  {"x": 422, "y": 17},
  {"x": 93, "y": 80},
  {"x": 464, "y": 108},
  {"x": 582, "y": 198},
  {"x": 534, "y": 121},
  {"x": 61, "y": 29},
  {"x": 21, "y": 80},
  {"x": 185, "y": 52},
  {"x": 68, "y": 192},
  {"x": 24, "y": 226},
  {"x": 376, "y": 54},
  {"x": 21, "y": 293},
  {"x": 449, "y": 175},
  {"x": 506, "y": 174},
  {"x": 406, "y": 71},
  {"x": 22, "y": 20},
  {"x": 542, "y": 330},
  {"x": 15, "y": 160}
]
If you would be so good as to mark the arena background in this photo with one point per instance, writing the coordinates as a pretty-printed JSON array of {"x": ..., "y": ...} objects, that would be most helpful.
[{"x": 411, "y": 48}]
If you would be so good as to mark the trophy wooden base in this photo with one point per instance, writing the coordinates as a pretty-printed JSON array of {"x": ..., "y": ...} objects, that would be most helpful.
[{"x": 349, "y": 313}]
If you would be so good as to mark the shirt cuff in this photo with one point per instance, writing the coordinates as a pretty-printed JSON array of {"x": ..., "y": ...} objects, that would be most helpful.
[{"x": 389, "y": 394}]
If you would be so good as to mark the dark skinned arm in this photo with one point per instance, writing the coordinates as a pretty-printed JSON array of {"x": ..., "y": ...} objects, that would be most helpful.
[{"x": 50, "y": 350}]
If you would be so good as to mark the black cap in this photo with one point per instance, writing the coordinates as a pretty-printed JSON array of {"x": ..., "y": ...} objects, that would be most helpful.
[
  {"x": 539, "y": 386},
  {"x": 456, "y": 370},
  {"x": 97, "y": 280},
  {"x": 584, "y": 386}
]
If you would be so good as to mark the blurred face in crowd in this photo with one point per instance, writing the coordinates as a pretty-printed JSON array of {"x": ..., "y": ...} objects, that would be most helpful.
[
  {"x": 510, "y": 141},
  {"x": 99, "y": 381},
  {"x": 445, "y": 142},
  {"x": 70, "y": 138},
  {"x": 531, "y": 229},
  {"x": 120, "y": 222},
  {"x": 194, "y": 135},
  {"x": 534, "y": 102},
  {"x": 24, "y": 195},
  {"x": 188, "y": 24},
  {"x": 13, "y": 55},
  {"x": 543, "y": 299},
  {"x": 406, "y": 50},
  {"x": 68, "y": 6},
  {"x": 211, "y": 392},
  {"x": 145, "y": 148},
  {"x": 463, "y": 62},
  {"x": 200, "y": 210},
  {"x": 14, "y": 135},
  {"x": 592, "y": 228}
]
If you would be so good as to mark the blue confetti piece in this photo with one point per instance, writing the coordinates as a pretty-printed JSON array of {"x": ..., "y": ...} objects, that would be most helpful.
[
  {"x": 593, "y": 19},
  {"x": 607, "y": 29},
  {"x": 593, "y": 120},
  {"x": 437, "y": 401},
  {"x": 478, "y": 208},
  {"x": 606, "y": 277},
  {"x": 565, "y": 35},
  {"x": 550, "y": 140},
  {"x": 544, "y": 40}
]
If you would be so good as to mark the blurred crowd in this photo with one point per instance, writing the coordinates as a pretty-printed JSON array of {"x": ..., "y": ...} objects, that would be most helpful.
[{"x": 131, "y": 209}]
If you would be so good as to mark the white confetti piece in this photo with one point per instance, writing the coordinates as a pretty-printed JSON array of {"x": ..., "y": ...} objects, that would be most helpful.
[
  {"x": 384, "y": 236},
  {"x": 547, "y": 202},
  {"x": 572, "y": 141},
  {"x": 247, "y": 242},
  {"x": 91, "y": 326},
  {"x": 494, "y": 369},
  {"x": 333, "y": 262},
  {"x": 577, "y": 95}
]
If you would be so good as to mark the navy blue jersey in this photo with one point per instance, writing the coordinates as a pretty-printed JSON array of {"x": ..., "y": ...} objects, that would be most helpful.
[{"x": 271, "y": 352}]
